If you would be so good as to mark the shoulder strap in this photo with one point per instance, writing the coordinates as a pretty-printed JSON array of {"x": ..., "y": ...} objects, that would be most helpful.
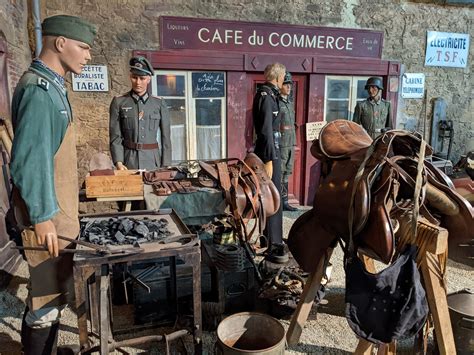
[{"x": 55, "y": 94}]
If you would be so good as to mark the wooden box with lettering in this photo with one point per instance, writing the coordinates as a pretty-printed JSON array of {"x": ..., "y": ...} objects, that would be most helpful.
[{"x": 124, "y": 183}]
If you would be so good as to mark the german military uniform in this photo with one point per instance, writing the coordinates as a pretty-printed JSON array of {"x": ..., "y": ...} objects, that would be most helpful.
[
  {"x": 45, "y": 179},
  {"x": 287, "y": 147},
  {"x": 266, "y": 122},
  {"x": 374, "y": 116},
  {"x": 136, "y": 124}
]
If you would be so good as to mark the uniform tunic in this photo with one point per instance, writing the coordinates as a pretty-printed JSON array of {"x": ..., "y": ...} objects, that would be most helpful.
[
  {"x": 266, "y": 124},
  {"x": 138, "y": 119},
  {"x": 44, "y": 173},
  {"x": 288, "y": 137},
  {"x": 373, "y": 116}
]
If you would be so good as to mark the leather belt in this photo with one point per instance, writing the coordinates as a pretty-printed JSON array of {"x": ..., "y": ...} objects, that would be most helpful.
[
  {"x": 285, "y": 128},
  {"x": 140, "y": 146}
]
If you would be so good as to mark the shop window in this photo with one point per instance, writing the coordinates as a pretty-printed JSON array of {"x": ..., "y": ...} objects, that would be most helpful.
[
  {"x": 196, "y": 101},
  {"x": 342, "y": 95}
]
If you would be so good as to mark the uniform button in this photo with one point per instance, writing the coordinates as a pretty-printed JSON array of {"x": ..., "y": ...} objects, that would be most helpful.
[
  {"x": 143, "y": 127},
  {"x": 143, "y": 136}
]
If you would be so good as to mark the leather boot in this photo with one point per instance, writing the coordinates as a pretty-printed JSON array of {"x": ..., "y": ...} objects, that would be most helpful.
[
  {"x": 39, "y": 341},
  {"x": 284, "y": 198}
]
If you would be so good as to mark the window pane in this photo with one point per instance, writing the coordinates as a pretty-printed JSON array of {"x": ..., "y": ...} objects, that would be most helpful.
[
  {"x": 338, "y": 89},
  {"x": 177, "y": 109},
  {"x": 208, "y": 128},
  {"x": 208, "y": 84},
  {"x": 361, "y": 92},
  {"x": 170, "y": 85},
  {"x": 336, "y": 110}
]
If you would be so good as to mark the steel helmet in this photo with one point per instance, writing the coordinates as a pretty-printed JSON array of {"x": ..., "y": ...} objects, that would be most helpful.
[
  {"x": 374, "y": 81},
  {"x": 287, "y": 79}
]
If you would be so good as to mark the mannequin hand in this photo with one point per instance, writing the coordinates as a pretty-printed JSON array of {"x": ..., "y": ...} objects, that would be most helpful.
[
  {"x": 269, "y": 168},
  {"x": 46, "y": 235},
  {"x": 120, "y": 166}
]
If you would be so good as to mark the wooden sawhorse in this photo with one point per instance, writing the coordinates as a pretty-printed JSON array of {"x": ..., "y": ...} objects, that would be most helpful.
[{"x": 432, "y": 268}]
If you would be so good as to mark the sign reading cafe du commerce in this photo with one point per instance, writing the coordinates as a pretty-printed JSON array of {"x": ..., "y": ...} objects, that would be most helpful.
[{"x": 205, "y": 34}]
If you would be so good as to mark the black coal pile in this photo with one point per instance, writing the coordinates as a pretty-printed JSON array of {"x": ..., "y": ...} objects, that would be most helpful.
[{"x": 124, "y": 230}]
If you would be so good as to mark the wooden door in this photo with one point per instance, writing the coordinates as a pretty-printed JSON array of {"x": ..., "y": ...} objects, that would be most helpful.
[{"x": 296, "y": 182}]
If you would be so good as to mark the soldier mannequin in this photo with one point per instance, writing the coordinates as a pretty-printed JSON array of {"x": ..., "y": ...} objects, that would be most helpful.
[
  {"x": 267, "y": 129},
  {"x": 139, "y": 124},
  {"x": 374, "y": 114},
  {"x": 288, "y": 139},
  {"x": 44, "y": 173}
]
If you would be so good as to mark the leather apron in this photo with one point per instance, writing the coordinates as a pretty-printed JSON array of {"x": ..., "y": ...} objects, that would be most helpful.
[{"x": 51, "y": 279}]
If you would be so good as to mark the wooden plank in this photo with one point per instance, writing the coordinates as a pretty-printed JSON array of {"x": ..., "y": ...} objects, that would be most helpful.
[
  {"x": 306, "y": 301},
  {"x": 364, "y": 347},
  {"x": 436, "y": 295},
  {"x": 114, "y": 186}
]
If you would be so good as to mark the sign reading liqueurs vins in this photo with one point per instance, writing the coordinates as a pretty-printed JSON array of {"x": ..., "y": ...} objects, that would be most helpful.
[
  {"x": 220, "y": 35},
  {"x": 413, "y": 85},
  {"x": 445, "y": 49},
  {"x": 92, "y": 78}
]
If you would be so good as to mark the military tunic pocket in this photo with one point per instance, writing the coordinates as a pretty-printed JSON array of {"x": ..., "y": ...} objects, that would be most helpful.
[
  {"x": 154, "y": 121},
  {"x": 126, "y": 120}
]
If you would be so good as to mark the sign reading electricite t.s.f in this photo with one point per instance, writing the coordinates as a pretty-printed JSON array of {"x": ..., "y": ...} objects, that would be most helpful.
[
  {"x": 444, "y": 49},
  {"x": 192, "y": 33}
]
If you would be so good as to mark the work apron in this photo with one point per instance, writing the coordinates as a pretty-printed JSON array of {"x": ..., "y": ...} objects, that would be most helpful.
[{"x": 51, "y": 279}]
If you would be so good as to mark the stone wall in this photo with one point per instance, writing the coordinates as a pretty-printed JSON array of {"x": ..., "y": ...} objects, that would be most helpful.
[
  {"x": 125, "y": 25},
  {"x": 13, "y": 27}
]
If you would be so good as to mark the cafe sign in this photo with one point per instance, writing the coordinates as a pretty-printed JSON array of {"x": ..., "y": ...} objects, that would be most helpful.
[{"x": 206, "y": 34}]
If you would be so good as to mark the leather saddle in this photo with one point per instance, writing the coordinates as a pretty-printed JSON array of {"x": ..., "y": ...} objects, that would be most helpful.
[
  {"x": 376, "y": 179},
  {"x": 343, "y": 147},
  {"x": 248, "y": 190}
]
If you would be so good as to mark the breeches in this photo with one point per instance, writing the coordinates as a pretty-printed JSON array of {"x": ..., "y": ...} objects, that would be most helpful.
[{"x": 287, "y": 162}]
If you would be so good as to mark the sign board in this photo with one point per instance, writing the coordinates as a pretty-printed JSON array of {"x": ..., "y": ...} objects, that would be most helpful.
[
  {"x": 92, "y": 78},
  {"x": 445, "y": 49},
  {"x": 413, "y": 85},
  {"x": 208, "y": 84},
  {"x": 313, "y": 129},
  {"x": 220, "y": 35}
]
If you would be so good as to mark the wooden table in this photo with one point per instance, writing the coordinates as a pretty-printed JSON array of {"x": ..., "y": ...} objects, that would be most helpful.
[{"x": 90, "y": 268}]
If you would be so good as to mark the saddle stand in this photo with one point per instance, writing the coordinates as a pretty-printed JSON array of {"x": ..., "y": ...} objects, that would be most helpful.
[{"x": 432, "y": 259}]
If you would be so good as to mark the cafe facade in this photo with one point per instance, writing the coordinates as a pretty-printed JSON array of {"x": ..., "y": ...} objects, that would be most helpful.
[{"x": 208, "y": 72}]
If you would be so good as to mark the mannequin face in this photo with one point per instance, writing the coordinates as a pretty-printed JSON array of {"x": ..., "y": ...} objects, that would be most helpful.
[
  {"x": 285, "y": 89},
  {"x": 140, "y": 83},
  {"x": 73, "y": 54},
  {"x": 374, "y": 92}
]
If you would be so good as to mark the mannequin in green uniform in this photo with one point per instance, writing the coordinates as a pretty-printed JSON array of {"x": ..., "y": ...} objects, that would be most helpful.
[
  {"x": 288, "y": 139},
  {"x": 374, "y": 114},
  {"x": 44, "y": 175}
]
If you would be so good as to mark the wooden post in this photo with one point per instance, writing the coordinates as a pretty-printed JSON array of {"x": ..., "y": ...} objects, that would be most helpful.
[
  {"x": 436, "y": 295},
  {"x": 306, "y": 301}
]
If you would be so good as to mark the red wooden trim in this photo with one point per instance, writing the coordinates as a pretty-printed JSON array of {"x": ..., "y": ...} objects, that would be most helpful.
[
  {"x": 234, "y": 61},
  {"x": 315, "y": 114},
  {"x": 239, "y": 126},
  {"x": 294, "y": 64}
]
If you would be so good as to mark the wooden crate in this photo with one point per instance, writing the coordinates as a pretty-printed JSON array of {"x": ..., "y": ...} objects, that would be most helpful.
[{"x": 124, "y": 183}]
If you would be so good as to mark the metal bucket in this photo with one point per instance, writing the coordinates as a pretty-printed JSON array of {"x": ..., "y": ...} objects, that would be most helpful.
[
  {"x": 461, "y": 311},
  {"x": 250, "y": 333}
]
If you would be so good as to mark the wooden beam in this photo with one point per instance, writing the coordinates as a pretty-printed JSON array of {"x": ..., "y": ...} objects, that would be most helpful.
[{"x": 306, "y": 301}]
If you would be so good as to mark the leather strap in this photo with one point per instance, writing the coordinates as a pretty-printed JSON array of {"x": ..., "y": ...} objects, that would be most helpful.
[{"x": 141, "y": 146}]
